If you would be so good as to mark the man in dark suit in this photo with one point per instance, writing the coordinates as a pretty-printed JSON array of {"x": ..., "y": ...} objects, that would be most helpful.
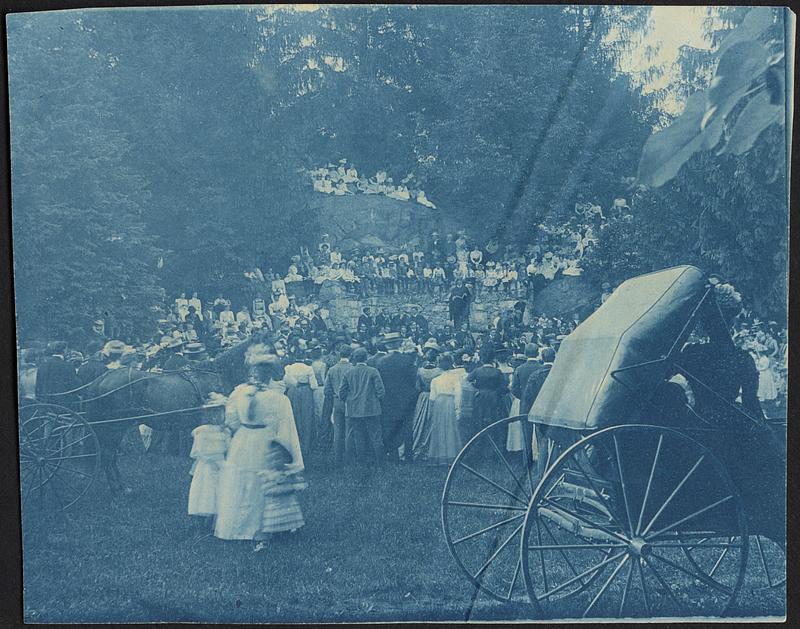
[
  {"x": 366, "y": 320},
  {"x": 56, "y": 375},
  {"x": 380, "y": 348},
  {"x": 95, "y": 365},
  {"x": 176, "y": 359},
  {"x": 523, "y": 373},
  {"x": 334, "y": 404},
  {"x": 381, "y": 321},
  {"x": 398, "y": 369},
  {"x": 361, "y": 391},
  {"x": 537, "y": 378}
]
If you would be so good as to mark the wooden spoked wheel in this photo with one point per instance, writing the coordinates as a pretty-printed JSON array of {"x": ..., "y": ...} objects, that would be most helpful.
[
  {"x": 634, "y": 520},
  {"x": 767, "y": 563},
  {"x": 59, "y": 455},
  {"x": 770, "y": 560},
  {"x": 484, "y": 503}
]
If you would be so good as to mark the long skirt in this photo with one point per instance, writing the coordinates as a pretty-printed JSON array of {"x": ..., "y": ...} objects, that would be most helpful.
[
  {"x": 514, "y": 439},
  {"x": 445, "y": 437},
  {"x": 766, "y": 385},
  {"x": 302, "y": 399},
  {"x": 324, "y": 428},
  {"x": 488, "y": 408},
  {"x": 282, "y": 513},
  {"x": 421, "y": 431},
  {"x": 240, "y": 493}
]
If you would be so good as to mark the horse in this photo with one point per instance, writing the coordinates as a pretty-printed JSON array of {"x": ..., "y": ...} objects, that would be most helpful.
[
  {"x": 129, "y": 392},
  {"x": 230, "y": 365}
]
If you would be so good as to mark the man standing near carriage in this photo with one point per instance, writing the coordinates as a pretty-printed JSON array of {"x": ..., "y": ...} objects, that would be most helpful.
[
  {"x": 95, "y": 364},
  {"x": 55, "y": 376}
]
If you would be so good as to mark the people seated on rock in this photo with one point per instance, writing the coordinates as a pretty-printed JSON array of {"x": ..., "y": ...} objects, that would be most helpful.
[
  {"x": 243, "y": 317},
  {"x": 293, "y": 275},
  {"x": 227, "y": 316}
]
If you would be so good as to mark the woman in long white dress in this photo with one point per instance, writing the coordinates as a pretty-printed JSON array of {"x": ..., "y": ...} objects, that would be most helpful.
[
  {"x": 767, "y": 391},
  {"x": 257, "y": 413},
  {"x": 445, "y": 398}
]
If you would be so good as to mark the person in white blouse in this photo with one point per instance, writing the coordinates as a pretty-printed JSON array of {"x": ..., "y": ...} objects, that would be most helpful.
[
  {"x": 301, "y": 382},
  {"x": 445, "y": 398},
  {"x": 227, "y": 316},
  {"x": 243, "y": 317}
]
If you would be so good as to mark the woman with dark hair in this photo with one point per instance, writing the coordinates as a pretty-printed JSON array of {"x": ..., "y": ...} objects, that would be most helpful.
[
  {"x": 421, "y": 430},
  {"x": 445, "y": 438},
  {"x": 491, "y": 385},
  {"x": 257, "y": 413}
]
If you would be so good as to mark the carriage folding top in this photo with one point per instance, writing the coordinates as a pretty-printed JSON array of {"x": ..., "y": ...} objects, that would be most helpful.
[{"x": 638, "y": 325}]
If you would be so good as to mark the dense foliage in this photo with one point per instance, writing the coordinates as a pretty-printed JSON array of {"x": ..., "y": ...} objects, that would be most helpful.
[{"x": 160, "y": 151}]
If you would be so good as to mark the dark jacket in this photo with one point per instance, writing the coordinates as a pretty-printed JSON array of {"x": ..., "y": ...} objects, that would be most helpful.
[
  {"x": 422, "y": 323},
  {"x": 532, "y": 388},
  {"x": 361, "y": 391},
  {"x": 372, "y": 361},
  {"x": 333, "y": 382},
  {"x": 55, "y": 375},
  {"x": 91, "y": 370},
  {"x": 175, "y": 362},
  {"x": 521, "y": 375},
  {"x": 399, "y": 372}
]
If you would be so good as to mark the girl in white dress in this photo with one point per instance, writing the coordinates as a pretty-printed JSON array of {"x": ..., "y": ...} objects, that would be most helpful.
[
  {"x": 257, "y": 413},
  {"x": 766, "y": 381},
  {"x": 210, "y": 442}
]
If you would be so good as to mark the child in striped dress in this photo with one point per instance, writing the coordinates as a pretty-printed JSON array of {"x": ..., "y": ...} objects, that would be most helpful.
[{"x": 281, "y": 508}]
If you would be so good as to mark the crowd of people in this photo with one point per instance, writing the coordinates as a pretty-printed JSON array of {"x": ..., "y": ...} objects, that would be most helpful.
[
  {"x": 344, "y": 179},
  {"x": 436, "y": 266},
  {"x": 395, "y": 389}
]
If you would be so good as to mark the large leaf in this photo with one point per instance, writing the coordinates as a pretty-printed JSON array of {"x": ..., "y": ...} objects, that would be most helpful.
[
  {"x": 757, "y": 20},
  {"x": 738, "y": 67},
  {"x": 666, "y": 151},
  {"x": 757, "y": 115}
]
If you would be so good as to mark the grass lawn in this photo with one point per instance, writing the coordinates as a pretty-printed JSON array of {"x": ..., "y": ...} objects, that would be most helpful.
[{"x": 370, "y": 552}]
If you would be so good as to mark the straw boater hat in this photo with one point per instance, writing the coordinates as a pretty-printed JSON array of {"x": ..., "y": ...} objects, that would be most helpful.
[
  {"x": 114, "y": 349},
  {"x": 194, "y": 351},
  {"x": 390, "y": 340}
]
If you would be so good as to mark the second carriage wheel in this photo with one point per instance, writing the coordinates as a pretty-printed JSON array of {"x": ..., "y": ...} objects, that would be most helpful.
[
  {"x": 767, "y": 563},
  {"x": 484, "y": 502},
  {"x": 59, "y": 455},
  {"x": 628, "y": 522}
]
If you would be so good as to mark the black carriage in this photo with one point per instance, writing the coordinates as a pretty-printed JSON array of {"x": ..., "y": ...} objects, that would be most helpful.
[
  {"x": 646, "y": 481},
  {"x": 60, "y": 452}
]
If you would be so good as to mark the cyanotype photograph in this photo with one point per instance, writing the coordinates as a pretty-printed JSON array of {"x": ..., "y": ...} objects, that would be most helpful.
[{"x": 389, "y": 313}]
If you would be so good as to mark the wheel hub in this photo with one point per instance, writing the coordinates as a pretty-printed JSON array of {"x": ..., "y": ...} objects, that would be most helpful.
[{"x": 639, "y": 547}]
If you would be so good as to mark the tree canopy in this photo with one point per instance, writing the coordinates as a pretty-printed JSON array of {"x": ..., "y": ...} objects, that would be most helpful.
[{"x": 155, "y": 151}]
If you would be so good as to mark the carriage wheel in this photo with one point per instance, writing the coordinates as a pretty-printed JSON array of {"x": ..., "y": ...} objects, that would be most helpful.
[
  {"x": 484, "y": 502},
  {"x": 630, "y": 521},
  {"x": 770, "y": 559},
  {"x": 767, "y": 563},
  {"x": 59, "y": 455}
]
